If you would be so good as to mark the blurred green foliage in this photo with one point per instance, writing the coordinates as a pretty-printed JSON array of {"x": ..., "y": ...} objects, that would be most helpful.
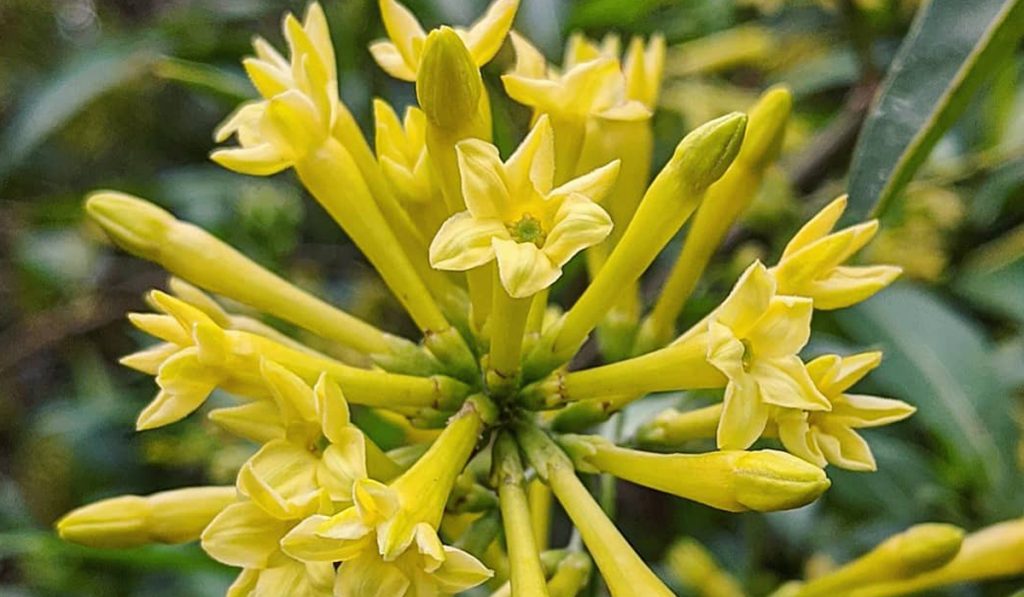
[{"x": 124, "y": 93}]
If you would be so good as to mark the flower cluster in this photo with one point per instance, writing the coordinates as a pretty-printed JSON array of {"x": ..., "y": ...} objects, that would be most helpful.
[{"x": 470, "y": 244}]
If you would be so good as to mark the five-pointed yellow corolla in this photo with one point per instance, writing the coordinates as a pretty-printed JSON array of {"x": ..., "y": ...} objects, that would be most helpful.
[
  {"x": 313, "y": 445},
  {"x": 753, "y": 338},
  {"x": 830, "y": 437},
  {"x": 811, "y": 264},
  {"x": 516, "y": 217},
  {"x": 245, "y": 535},
  {"x": 300, "y": 104},
  {"x": 400, "y": 55}
]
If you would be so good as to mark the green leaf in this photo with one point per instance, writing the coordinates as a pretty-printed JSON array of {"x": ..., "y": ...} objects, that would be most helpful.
[
  {"x": 81, "y": 81},
  {"x": 998, "y": 290},
  {"x": 229, "y": 85},
  {"x": 941, "y": 363},
  {"x": 950, "y": 51}
]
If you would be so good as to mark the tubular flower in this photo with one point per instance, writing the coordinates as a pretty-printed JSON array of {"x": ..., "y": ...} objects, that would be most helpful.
[
  {"x": 470, "y": 244},
  {"x": 753, "y": 339},
  {"x": 400, "y": 55},
  {"x": 516, "y": 216},
  {"x": 831, "y": 437}
]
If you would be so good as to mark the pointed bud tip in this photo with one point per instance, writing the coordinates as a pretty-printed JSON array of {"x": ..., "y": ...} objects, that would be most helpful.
[
  {"x": 767, "y": 128},
  {"x": 706, "y": 153},
  {"x": 927, "y": 546},
  {"x": 448, "y": 85},
  {"x": 769, "y": 480}
]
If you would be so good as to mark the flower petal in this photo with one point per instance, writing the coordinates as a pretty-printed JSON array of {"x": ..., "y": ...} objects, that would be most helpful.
[
  {"x": 523, "y": 268},
  {"x": 858, "y": 410},
  {"x": 244, "y": 535},
  {"x": 460, "y": 571},
  {"x": 259, "y": 421},
  {"x": 342, "y": 464},
  {"x": 464, "y": 242},
  {"x": 484, "y": 188},
  {"x": 594, "y": 185},
  {"x": 533, "y": 162},
  {"x": 785, "y": 382},
  {"x": 388, "y": 57},
  {"x": 486, "y": 35},
  {"x": 281, "y": 478},
  {"x": 370, "y": 576},
  {"x": 744, "y": 416},
  {"x": 844, "y": 448},
  {"x": 817, "y": 227},
  {"x": 796, "y": 435},
  {"x": 304, "y": 543},
  {"x": 748, "y": 300},
  {"x": 578, "y": 224},
  {"x": 783, "y": 329},
  {"x": 848, "y": 285},
  {"x": 403, "y": 28}
]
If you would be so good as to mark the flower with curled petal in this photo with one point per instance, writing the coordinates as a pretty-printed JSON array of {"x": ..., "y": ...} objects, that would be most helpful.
[
  {"x": 811, "y": 264},
  {"x": 514, "y": 215},
  {"x": 753, "y": 338},
  {"x": 400, "y": 54},
  {"x": 831, "y": 437}
]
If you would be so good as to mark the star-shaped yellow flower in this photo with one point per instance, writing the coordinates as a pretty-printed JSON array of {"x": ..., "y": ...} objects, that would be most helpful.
[
  {"x": 811, "y": 264},
  {"x": 831, "y": 437},
  {"x": 516, "y": 217},
  {"x": 753, "y": 339},
  {"x": 400, "y": 55}
]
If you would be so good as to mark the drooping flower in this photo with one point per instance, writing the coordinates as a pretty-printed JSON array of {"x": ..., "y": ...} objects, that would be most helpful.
[
  {"x": 831, "y": 437},
  {"x": 516, "y": 216},
  {"x": 753, "y": 338}
]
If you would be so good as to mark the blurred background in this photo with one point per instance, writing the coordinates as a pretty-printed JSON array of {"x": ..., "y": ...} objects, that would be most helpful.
[{"x": 126, "y": 93}]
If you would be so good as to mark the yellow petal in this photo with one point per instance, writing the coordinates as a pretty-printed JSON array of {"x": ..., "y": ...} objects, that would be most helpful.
[
  {"x": 332, "y": 409},
  {"x": 594, "y": 185},
  {"x": 370, "y": 576},
  {"x": 388, "y": 57},
  {"x": 244, "y": 535},
  {"x": 483, "y": 179},
  {"x": 281, "y": 478},
  {"x": 404, "y": 30},
  {"x": 293, "y": 397},
  {"x": 268, "y": 79},
  {"x": 244, "y": 584},
  {"x": 796, "y": 435},
  {"x": 748, "y": 300},
  {"x": 858, "y": 410},
  {"x": 725, "y": 351},
  {"x": 460, "y": 571},
  {"x": 464, "y": 242},
  {"x": 259, "y": 421},
  {"x": 834, "y": 374},
  {"x": 530, "y": 62},
  {"x": 374, "y": 501},
  {"x": 817, "y": 227},
  {"x": 149, "y": 360},
  {"x": 296, "y": 579},
  {"x": 523, "y": 268},
  {"x": 485, "y": 37},
  {"x": 578, "y": 224},
  {"x": 242, "y": 121},
  {"x": 342, "y": 464},
  {"x": 744, "y": 416},
  {"x": 260, "y": 160},
  {"x": 184, "y": 385},
  {"x": 784, "y": 381},
  {"x": 429, "y": 545},
  {"x": 315, "y": 26},
  {"x": 533, "y": 162},
  {"x": 348, "y": 526},
  {"x": 847, "y": 285},
  {"x": 844, "y": 448},
  {"x": 783, "y": 329},
  {"x": 163, "y": 327},
  {"x": 304, "y": 543}
]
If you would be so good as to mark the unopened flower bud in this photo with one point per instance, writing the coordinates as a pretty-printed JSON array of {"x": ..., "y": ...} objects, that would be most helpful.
[{"x": 448, "y": 86}]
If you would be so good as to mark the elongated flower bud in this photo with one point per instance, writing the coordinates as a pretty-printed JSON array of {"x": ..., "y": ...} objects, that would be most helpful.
[
  {"x": 448, "y": 85},
  {"x": 733, "y": 480},
  {"x": 699, "y": 160},
  {"x": 130, "y": 520},
  {"x": 917, "y": 550}
]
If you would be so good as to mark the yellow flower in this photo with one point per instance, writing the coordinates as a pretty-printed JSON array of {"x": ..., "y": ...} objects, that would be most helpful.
[
  {"x": 811, "y": 264},
  {"x": 282, "y": 475},
  {"x": 831, "y": 437},
  {"x": 300, "y": 100},
  {"x": 516, "y": 217},
  {"x": 246, "y": 536},
  {"x": 753, "y": 338},
  {"x": 400, "y": 55}
]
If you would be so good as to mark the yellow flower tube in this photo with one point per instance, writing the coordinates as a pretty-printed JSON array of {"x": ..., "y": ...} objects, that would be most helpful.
[
  {"x": 724, "y": 202},
  {"x": 527, "y": 576},
  {"x": 176, "y": 516},
  {"x": 917, "y": 550},
  {"x": 680, "y": 367},
  {"x": 993, "y": 552},
  {"x": 187, "y": 251},
  {"x": 622, "y": 569},
  {"x": 672, "y": 427},
  {"x": 700, "y": 159},
  {"x": 732, "y": 480}
]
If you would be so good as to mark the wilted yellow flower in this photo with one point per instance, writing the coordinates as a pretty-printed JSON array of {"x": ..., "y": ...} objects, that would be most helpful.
[
  {"x": 517, "y": 217},
  {"x": 831, "y": 437}
]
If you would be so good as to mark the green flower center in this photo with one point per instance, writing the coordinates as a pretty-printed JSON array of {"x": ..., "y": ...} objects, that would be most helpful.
[
  {"x": 748, "y": 354},
  {"x": 527, "y": 229}
]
